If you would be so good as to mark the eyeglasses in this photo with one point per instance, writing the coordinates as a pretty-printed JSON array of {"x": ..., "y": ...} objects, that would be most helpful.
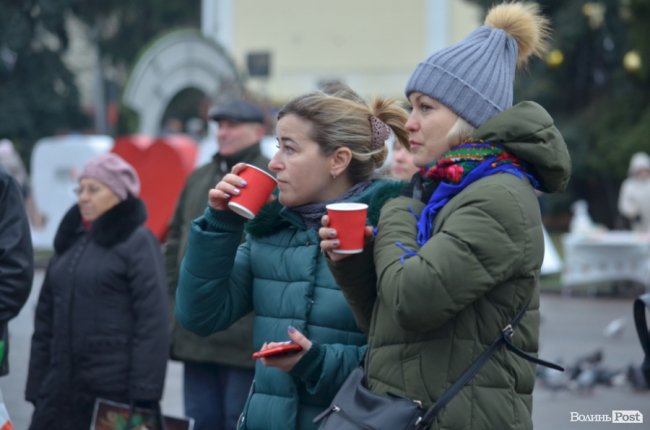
[{"x": 91, "y": 189}]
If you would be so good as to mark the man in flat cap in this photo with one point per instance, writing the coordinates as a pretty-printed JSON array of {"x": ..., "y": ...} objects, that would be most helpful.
[{"x": 218, "y": 370}]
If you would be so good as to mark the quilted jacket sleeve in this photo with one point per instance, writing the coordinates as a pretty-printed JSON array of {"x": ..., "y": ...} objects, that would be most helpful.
[
  {"x": 151, "y": 341},
  {"x": 358, "y": 281},
  {"x": 482, "y": 243},
  {"x": 215, "y": 282},
  {"x": 16, "y": 256},
  {"x": 41, "y": 346},
  {"x": 323, "y": 368}
]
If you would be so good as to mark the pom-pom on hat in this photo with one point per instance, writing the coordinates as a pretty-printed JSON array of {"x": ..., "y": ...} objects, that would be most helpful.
[
  {"x": 118, "y": 175},
  {"x": 474, "y": 78}
]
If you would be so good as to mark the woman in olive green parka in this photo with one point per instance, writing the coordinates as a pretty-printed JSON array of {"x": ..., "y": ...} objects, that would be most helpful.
[{"x": 459, "y": 254}]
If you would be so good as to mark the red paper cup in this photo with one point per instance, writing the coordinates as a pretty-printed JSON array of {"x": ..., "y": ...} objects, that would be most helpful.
[
  {"x": 252, "y": 197},
  {"x": 349, "y": 220}
]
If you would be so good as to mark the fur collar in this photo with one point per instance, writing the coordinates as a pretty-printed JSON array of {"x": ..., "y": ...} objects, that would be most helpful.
[
  {"x": 113, "y": 227},
  {"x": 274, "y": 216}
]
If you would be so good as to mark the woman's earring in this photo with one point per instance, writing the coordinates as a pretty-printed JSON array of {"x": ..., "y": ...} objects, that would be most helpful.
[{"x": 333, "y": 175}]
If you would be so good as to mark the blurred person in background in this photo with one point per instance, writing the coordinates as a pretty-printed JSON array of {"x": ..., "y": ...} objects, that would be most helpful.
[
  {"x": 101, "y": 323},
  {"x": 16, "y": 267},
  {"x": 401, "y": 165},
  {"x": 14, "y": 165},
  {"x": 171, "y": 126},
  {"x": 634, "y": 197},
  {"x": 218, "y": 369},
  {"x": 458, "y": 256},
  {"x": 329, "y": 146}
]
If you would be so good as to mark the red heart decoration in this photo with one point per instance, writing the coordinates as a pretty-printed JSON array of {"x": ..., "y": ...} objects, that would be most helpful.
[{"x": 163, "y": 164}]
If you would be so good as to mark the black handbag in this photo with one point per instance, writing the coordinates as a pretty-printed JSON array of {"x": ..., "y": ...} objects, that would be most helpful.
[{"x": 355, "y": 407}]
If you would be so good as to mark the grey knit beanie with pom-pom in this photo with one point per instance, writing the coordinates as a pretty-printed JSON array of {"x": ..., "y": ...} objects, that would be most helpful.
[{"x": 474, "y": 78}]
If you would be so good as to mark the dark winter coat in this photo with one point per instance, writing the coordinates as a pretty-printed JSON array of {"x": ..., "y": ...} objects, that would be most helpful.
[
  {"x": 233, "y": 346},
  {"x": 430, "y": 315},
  {"x": 101, "y": 325},
  {"x": 16, "y": 258},
  {"x": 280, "y": 273}
]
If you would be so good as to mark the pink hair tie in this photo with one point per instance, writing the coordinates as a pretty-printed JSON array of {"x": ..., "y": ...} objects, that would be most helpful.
[{"x": 380, "y": 132}]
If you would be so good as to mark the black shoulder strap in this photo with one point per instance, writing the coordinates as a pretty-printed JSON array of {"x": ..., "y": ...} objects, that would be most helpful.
[
  {"x": 504, "y": 337},
  {"x": 640, "y": 305}
]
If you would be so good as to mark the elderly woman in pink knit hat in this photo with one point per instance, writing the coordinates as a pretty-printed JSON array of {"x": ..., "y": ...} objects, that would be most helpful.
[{"x": 101, "y": 325}]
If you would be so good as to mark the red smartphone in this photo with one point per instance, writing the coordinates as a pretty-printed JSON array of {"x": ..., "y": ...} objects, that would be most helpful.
[{"x": 286, "y": 349}]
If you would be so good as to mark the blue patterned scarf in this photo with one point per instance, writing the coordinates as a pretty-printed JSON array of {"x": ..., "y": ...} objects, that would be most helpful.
[{"x": 460, "y": 167}]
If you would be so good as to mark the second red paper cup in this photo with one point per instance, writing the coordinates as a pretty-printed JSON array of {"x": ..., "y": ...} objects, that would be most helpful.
[
  {"x": 349, "y": 220},
  {"x": 252, "y": 197}
]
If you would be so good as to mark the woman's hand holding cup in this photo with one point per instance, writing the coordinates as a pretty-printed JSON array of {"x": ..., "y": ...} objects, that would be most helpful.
[
  {"x": 255, "y": 184},
  {"x": 330, "y": 241},
  {"x": 230, "y": 185}
]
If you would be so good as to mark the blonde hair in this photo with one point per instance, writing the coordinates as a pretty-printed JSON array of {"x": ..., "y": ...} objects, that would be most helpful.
[
  {"x": 342, "y": 119},
  {"x": 459, "y": 132}
]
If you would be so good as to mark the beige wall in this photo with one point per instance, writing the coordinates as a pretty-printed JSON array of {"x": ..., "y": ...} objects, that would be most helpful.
[
  {"x": 464, "y": 19},
  {"x": 373, "y": 45}
]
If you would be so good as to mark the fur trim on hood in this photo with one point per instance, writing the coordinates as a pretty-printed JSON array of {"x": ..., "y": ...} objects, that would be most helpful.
[{"x": 111, "y": 228}]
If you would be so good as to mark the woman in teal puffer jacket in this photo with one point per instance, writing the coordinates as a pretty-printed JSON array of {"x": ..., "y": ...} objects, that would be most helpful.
[{"x": 329, "y": 147}]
